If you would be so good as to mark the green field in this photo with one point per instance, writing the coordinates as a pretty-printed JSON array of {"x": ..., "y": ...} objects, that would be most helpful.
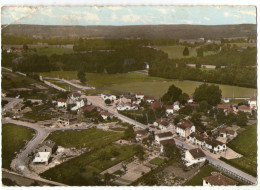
[
  {"x": 83, "y": 169},
  {"x": 50, "y": 51},
  {"x": 13, "y": 139},
  {"x": 91, "y": 138},
  {"x": 244, "y": 44},
  {"x": 176, "y": 52},
  {"x": 246, "y": 144},
  {"x": 152, "y": 86},
  {"x": 156, "y": 161}
]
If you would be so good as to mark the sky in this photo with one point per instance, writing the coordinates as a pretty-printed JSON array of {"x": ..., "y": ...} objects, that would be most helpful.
[{"x": 129, "y": 15}]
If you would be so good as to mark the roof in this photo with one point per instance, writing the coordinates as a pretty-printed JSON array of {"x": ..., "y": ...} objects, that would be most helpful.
[
  {"x": 192, "y": 104},
  {"x": 75, "y": 94},
  {"x": 42, "y": 157},
  {"x": 197, "y": 153},
  {"x": 89, "y": 108},
  {"x": 108, "y": 94},
  {"x": 223, "y": 106},
  {"x": 244, "y": 107},
  {"x": 177, "y": 103},
  {"x": 228, "y": 131},
  {"x": 140, "y": 94},
  {"x": 164, "y": 123},
  {"x": 168, "y": 106},
  {"x": 62, "y": 100},
  {"x": 198, "y": 137},
  {"x": 168, "y": 141},
  {"x": 219, "y": 180},
  {"x": 213, "y": 142},
  {"x": 106, "y": 113},
  {"x": 141, "y": 132},
  {"x": 155, "y": 105},
  {"x": 185, "y": 124},
  {"x": 161, "y": 119},
  {"x": 150, "y": 98},
  {"x": 253, "y": 98},
  {"x": 167, "y": 134}
]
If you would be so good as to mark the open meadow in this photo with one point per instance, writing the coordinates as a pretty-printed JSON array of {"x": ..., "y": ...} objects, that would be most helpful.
[
  {"x": 152, "y": 86},
  {"x": 49, "y": 51},
  {"x": 13, "y": 139}
]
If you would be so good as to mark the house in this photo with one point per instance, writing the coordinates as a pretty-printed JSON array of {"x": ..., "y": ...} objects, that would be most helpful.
[
  {"x": 156, "y": 123},
  {"x": 73, "y": 97},
  {"x": 150, "y": 99},
  {"x": 226, "y": 100},
  {"x": 244, "y": 108},
  {"x": 89, "y": 108},
  {"x": 227, "y": 133},
  {"x": 79, "y": 104},
  {"x": 62, "y": 103},
  {"x": 197, "y": 139},
  {"x": 215, "y": 146},
  {"x": 190, "y": 100},
  {"x": 218, "y": 180},
  {"x": 105, "y": 96},
  {"x": 146, "y": 66},
  {"x": 155, "y": 105},
  {"x": 3, "y": 93},
  {"x": 42, "y": 157},
  {"x": 176, "y": 106},
  {"x": 252, "y": 103},
  {"x": 194, "y": 156},
  {"x": 127, "y": 106},
  {"x": 125, "y": 100},
  {"x": 48, "y": 146},
  {"x": 17, "y": 108},
  {"x": 139, "y": 96},
  {"x": 185, "y": 128},
  {"x": 67, "y": 120},
  {"x": 169, "y": 109},
  {"x": 105, "y": 115},
  {"x": 166, "y": 142},
  {"x": 163, "y": 136},
  {"x": 141, "y": 134},
  {"x": 164, "y": 125},
  {"x": 192, "y": 105},
  {"x": 225, "y": 107}
]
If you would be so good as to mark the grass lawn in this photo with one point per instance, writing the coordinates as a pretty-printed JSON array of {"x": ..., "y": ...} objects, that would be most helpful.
[
  {"x": 156, "y": 161},
  {"x": 50, "y": 51},
  {"x": 91, "y": 138},
  {"x": 83, "y": 169},
  {"x": 13, "y": 139},
  {"x": 38, "y": 114},
  {"x": 246, "y": 144}
]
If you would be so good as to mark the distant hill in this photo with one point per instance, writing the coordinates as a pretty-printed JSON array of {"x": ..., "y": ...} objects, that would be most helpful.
[{"x": 138, "y": 31}]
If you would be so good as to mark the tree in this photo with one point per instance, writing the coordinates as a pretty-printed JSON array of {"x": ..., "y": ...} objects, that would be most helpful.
[
  {"x": 198, "y": 65},
  {"x": 172, "y": 94},
  {"x": 203, "y": 106},
  {"x": 108, "y": 101},
  {"x": 172, "y": 152},
  {"x": 210, "y": 93},
  {"x": 186, "y": 110},
  {"x": 129, "y": 133},
  {"x": 139, "y": 151},
  {"x": 183, "y": 98},
  {"x": 241, "y": 118},
  {"x": 186, "y": 52},
  {"x": 82, "y": 76},
  {"x": 200, "y": 52},
  {"x": 231, "y": 118},
  {"x": 25, "y": 47},
  {"x": 221, "y": 117},
  {"x": 195, "y": 119}
]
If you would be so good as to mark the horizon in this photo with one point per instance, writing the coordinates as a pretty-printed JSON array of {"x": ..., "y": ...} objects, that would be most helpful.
[{"x": 129, "y": 15}]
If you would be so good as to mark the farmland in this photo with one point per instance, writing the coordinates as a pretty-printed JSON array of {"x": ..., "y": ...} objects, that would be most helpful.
[
  {"x": 50, "y": 51},
  {"x": 13, "y": 139}
]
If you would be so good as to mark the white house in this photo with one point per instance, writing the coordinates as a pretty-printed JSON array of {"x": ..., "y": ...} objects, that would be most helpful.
[
  {"x": 73, "y": 97},
  {"x": 176, "y": 106},
  {"x": 79, "y": 104},
  {"x": 149, "y": 99},
  {"x": 169, "y": 109},
  {"x": 42, "y": 157},
  {"x": 123, "y": 107},
  {"x": 244, "y": 108},
  {"x": 163, "y": 136},
  {"x": 218, "y": 179},
  {"x": 62, "y": 103},
  {"x": 194, "y": 156},
  {"x": 215, "y": 146},
  {"x": 164, "y": 125},
  {"x": 185, "y": 128},
  {"x": 156, "y": 123},
  {"x": 139, "y": 96},
  {"x": 105, "y": 115},
  {"x": 125, "y": 100},
  {"x": 190, "y": 100},
  {"x": 141, "y": 134},
  {"x": 252, "y": 103},
  {"x": 197, "y": 139},
  {"x": 166, "y": 142},
  {"x": 105, "y": 96},
  {"x": 227, "y": 133}
]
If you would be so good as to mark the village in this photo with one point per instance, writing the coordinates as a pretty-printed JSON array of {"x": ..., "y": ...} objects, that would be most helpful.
[{"x": 157, "y": 139}]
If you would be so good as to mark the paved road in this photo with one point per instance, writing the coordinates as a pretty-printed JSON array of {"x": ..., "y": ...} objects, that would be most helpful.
[{"x": 11, "y": 103}]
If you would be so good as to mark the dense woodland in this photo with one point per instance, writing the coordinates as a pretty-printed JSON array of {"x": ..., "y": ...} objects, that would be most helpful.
[{"x": 121, "y": 56}]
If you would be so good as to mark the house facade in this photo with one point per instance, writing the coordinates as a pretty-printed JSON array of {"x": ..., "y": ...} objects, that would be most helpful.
[
  {"x": 163, "y": 136},
  {"x": 194, "y": 156},
  {"x": 62, "y": 103},
  {"x": 253, "y": 103},
  {"x": 185, "y": 128},
  {"x": 105, "y": 96}
]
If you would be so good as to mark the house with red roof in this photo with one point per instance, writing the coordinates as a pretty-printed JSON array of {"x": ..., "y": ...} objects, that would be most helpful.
[
  {"x": 105, "y": 115},
  {"x": 217, "y": 179},
  {"x": 163, "y": 136},
  {"x": 185, "y": 128},
  {"x": 163, "y": 143},
  {"x": 194, "y": 156},
  {"x": 62, "y": 103},
  {"x": 244, "y": 108}
]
